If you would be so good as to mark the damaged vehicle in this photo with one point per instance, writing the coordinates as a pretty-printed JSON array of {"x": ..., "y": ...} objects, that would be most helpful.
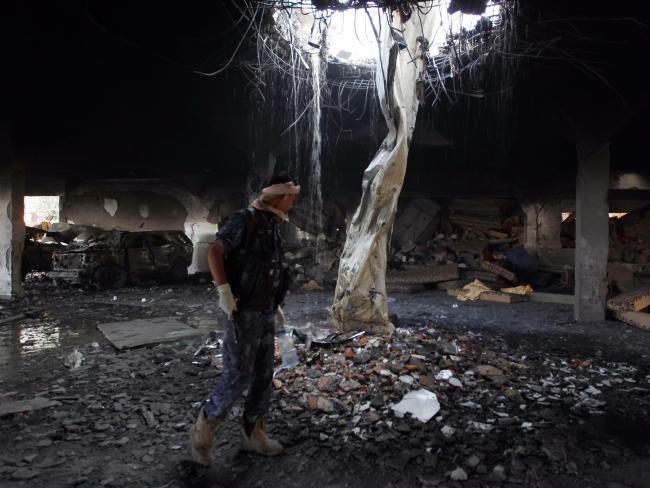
[
  {"x": 40, "y": 245},
  {"x": 112, "y": 259}
]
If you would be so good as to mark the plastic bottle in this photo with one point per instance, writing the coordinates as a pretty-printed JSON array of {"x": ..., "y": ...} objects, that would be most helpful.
[{"x": 288, "y": 351}]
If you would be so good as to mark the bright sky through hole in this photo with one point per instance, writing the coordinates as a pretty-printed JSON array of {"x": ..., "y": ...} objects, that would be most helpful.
[
  {"x": 351, "y": 36},
  {"x": 352, "y": 39}
]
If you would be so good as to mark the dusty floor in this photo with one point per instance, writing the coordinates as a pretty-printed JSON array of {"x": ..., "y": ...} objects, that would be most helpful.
[{"x": 579, "y": 415}]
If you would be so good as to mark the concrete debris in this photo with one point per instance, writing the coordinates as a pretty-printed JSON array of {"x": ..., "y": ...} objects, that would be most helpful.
[
  {"x": 448, "y": 431},
  {"x": 74, "y": 359},
  {"x": 458, "y": 474},
  {"x": 415, "y": 222},
  {"x": 523, "y": 409},
  {"x": 421, "y": 404},
  {"x": 444, "y": 375},
  {"x": 488, "y": 371}
]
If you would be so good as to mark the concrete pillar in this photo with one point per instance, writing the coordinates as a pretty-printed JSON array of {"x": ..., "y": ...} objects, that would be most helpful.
[
  {"x": 592, "y": 231},
  {"x": 543, "y": 224},
  {"x": 12, "y": 226},
  {"x": 201, "y": 232}
]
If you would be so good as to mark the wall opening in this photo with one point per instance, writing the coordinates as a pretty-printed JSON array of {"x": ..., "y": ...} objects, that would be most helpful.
[{"x": 41, "y": 211}]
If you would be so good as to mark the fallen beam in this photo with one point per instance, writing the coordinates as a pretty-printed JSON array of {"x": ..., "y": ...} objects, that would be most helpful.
[
  {"x": 498, "y": 270},
  {"x": 416, "y": 274}
]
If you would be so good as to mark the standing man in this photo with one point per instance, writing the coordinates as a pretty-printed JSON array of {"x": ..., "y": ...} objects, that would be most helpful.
[{"x": 246, "y": 265}]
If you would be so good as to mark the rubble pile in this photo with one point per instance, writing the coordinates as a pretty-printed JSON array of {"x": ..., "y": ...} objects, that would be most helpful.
[
  {"x": 476, "y": 237},
  {"x": 314, "y": 265},
  {"x": 629, "y": 236},
  {"x": 432, "y": 405},
  {"x": 475, "y": 406},
  {"x": 461, "y": 235}
]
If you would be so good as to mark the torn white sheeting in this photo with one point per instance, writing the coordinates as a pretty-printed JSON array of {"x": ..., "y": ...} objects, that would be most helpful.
[
  {"x": 360, "y": 299},
  {"x": 142, "y": 332},
  {"x": 110, "y": 205},
  {"x": 18, "y": 406},
  {"x": 421, "y": 404}
]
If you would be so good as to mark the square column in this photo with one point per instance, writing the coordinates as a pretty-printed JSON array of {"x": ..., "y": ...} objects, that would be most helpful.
[
  {"x": 12, "y": 227},
  {"x": 592, "y": 231}
]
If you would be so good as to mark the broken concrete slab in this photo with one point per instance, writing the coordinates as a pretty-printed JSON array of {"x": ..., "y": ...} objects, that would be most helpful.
[
  {"x": 419, "y": 274},
  {"x": 630, "y": 302},
  {"x": 501, "y": 297},
  {"x": 142, "y": 332},
  {"x": 636, "y": 319},
  {"x": 20, "y": 406}
]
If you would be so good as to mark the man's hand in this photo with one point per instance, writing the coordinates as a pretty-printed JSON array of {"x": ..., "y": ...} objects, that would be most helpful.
[
  {"x": 226, "y": 299},
  {"x": 279, "y": 319}
]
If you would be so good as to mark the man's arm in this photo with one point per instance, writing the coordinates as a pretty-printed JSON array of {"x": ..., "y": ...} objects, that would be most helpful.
[
  {"x": 227, "y": 300},
  {"x": 215, "y": 263}
]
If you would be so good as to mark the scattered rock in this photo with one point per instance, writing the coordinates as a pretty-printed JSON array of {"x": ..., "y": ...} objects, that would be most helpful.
[{"x": 458, "y": 474}]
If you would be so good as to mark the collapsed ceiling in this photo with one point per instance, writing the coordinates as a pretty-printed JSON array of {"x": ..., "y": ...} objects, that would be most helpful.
[{"x": 112, "y": 90}]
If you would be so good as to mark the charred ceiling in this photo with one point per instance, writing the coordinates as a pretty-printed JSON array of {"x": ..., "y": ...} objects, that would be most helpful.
[{"x": 112, "y": 89}]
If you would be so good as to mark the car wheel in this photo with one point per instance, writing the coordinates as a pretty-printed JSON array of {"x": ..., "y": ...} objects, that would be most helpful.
[
  {"x": 111, "y": 276},
  {"x": 178, "y": 272}
]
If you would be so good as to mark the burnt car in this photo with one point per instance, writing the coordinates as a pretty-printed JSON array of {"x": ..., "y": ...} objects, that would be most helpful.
[
  {"x": 111, "y": 259},
  {"x": 40, "y": 245}
]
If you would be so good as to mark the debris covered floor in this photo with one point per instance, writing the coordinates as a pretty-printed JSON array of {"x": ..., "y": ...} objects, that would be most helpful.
[{"x": 527, "y": 397}]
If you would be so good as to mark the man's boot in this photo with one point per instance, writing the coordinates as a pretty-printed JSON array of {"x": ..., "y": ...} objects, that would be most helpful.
[
  {"x": 202, "y": 438},
  {"x": 255, "y": 439}
]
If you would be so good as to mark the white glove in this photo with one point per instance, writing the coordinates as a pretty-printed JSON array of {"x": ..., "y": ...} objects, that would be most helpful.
[
  {"x": 279, "y": 319},
  {"x": 226, "y": 299}
]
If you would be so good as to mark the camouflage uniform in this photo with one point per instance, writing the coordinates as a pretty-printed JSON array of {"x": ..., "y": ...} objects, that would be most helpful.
[{"x": 251, "y": 240}]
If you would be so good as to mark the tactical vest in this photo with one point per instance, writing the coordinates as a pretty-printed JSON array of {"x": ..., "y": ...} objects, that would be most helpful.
[{"x": 254, "y": 270}]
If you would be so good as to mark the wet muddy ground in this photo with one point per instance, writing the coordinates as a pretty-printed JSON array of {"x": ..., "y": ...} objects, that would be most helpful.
[{"x": 578, "y": 415}]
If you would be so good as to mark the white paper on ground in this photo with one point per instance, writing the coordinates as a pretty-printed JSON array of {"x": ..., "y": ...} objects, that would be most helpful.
[{"x": 421, "y": 404}]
